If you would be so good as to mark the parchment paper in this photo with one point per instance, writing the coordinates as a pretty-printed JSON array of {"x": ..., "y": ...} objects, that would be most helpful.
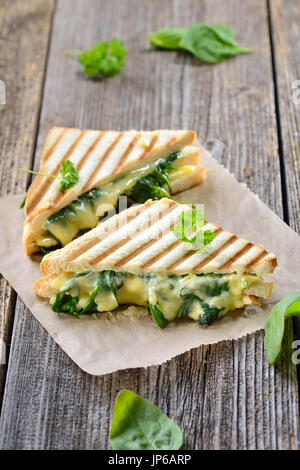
[{"x": 101, "y": 344}]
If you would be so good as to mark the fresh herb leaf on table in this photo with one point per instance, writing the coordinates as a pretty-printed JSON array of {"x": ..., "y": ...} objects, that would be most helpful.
[
  {"x": 189, "y": 222},
  {"x": 209, "y": 43},
  {"x": 139, "y": 425},
  {"x": 274, "y": 326},
  {"x": 167, "y": 38},
  {"x": 104, "y": 58},
  {"x": 23, "y": 202},
  {"x": 68, "y": 175}
]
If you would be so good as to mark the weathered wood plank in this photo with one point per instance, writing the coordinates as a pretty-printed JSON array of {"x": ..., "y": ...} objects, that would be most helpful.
[
  {"x": 285, "y": 16},
  {"x": 223, "y": 396},
  {"x": 24, "y": 30}
]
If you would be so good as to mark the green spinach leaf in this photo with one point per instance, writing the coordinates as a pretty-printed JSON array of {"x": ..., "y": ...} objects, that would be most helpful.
[
  {"x": 167, "y": 38},
  {"x": 210, "y": 314},
  {"x": 209, "y": 43},
  {"x": 274, "y": 326},
  {"x": 152, "y": 185},
  {"x": 45, "y": 250},
  {"x": 65, "y": 303},
  {"x": 139, "y": 425},
  {"x": 158, "y": 315},
  {"x": 23, "y": 202}
]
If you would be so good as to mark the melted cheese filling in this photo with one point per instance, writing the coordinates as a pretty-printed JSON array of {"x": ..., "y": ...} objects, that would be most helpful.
[
  {"x": 84, "y": 213},
  {"x": 200, "y": 295}
]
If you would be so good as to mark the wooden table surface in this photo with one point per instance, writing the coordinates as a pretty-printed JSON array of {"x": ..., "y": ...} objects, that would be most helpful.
[{"x": 223, "y": 396}]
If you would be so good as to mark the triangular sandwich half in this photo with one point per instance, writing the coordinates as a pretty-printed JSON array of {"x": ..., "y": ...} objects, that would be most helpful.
[
  {"x": 135, "y": 258},
  {"x": 140, "y": 164}
]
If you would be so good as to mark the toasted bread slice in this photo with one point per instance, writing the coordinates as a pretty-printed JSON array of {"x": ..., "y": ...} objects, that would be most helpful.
[
  {"x": 187, "y": 177},
  {"x": 140, "y": 240},
  {"x": 99, "y": 158}
]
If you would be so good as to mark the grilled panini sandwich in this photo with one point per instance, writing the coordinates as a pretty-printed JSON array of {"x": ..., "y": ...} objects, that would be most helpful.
[
  {"x": 140, "y": 165},
  {"x": 135, "y": 258}
]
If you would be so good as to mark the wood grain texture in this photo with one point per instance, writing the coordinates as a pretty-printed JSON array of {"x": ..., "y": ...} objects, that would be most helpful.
[
  {"x": 285, "y": 16},
  {"x": 223, "y": 396},
  {"x": 24, "y": 30}
]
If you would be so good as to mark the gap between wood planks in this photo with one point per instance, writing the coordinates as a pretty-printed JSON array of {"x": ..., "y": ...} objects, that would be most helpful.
[
  {"x": 14, "y": 296},
  {"x": 284, "y": 193}
]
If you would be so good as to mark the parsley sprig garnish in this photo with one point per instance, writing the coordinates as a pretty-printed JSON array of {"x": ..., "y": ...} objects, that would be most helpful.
[
  {"x": 189, "y": 223},
  {"x": 68, "y": 175},
  {"x": 106, "y": 59}
]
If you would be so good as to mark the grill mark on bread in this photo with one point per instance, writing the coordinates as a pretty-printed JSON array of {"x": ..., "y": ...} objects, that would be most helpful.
[
  {"x": 160, "y": 255},
  {"x": 171, "y": 142},
  {"x": 238, "y": 255},
  {"x": 190, "y": 254},
  {"x": 89, "y": 150},
  {"x": 49, "y": 181},
  {"x": 48, "y": 152},
  {"x": 60, "y": 196},
  {"x": 92, "y": 243},
  {"x": 143, "y": 247},
  {"x": 148, "y": 150},
  {"x": 119, "y": 244},
  {"x": 213, "y": 255},
  {"x": 73, "y": 253},
  {"x": 254, "y": 262},
  {"x": 126, "y": 154},
  {"x": 92, "y": 177}
]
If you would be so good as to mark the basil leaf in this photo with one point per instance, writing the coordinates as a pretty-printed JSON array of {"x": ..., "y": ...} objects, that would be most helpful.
[
  {"x": 139, "y": 425},
  {"x": 167, "y": 38},
  {"x": 274, "y": 326}
]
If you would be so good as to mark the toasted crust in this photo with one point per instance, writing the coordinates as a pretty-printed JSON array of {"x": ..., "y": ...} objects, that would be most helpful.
[
  {"x": 99, "y": 157},
  {"x": 141, "y": 240},
  {"x": 190, "y": 155},
  {"x": 197, "y": 176},
  {"x": 251, "y": 300}
]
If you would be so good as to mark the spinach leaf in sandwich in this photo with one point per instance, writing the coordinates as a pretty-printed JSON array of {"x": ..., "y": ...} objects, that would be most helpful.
[
  {"x": 209, "y": 314},
  {"x": 105, "y": 281},
  {"x": 65, "y": 303},
  {"x": 152, "y": 185},
  {"x": 158, "y": 316}
]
